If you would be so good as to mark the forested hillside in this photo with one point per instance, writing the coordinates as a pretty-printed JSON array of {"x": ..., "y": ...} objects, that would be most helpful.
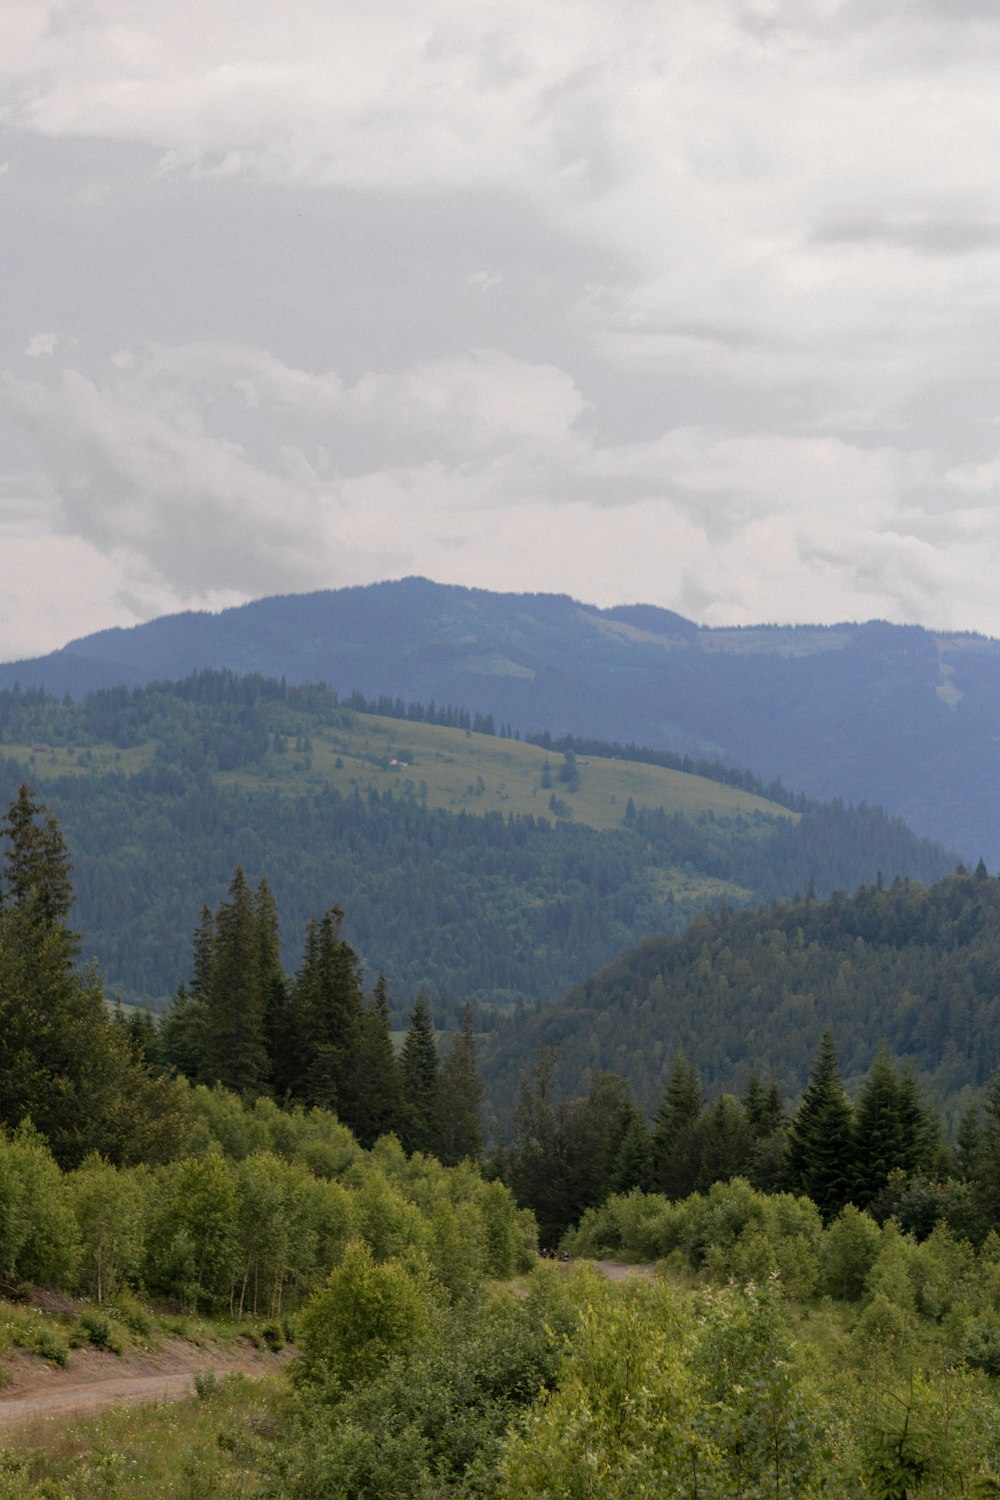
[
  {"x": 472, "y": 863},
  {"x": 915, "y": 966},
  {"x": 898, "y": 716}
]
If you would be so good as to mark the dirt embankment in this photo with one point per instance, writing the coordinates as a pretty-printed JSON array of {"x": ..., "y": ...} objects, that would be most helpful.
[{"x": 91, "y": 1378}]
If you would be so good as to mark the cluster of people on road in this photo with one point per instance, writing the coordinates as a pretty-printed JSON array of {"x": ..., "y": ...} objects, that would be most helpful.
[{"x": 553, "y": 1254}]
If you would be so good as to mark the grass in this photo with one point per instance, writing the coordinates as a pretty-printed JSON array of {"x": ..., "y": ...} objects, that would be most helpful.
[
  {"x": 459, "y": 771},
  {"x": 450, "y": 769},
  {"x": 211, "y": 1444}
]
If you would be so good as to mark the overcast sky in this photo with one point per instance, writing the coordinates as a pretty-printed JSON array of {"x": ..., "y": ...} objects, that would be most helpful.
[{"x": 692, "y": 303}]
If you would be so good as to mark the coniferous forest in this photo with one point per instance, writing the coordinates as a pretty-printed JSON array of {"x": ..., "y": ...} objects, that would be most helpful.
[{"x": 825, "y": 1313}]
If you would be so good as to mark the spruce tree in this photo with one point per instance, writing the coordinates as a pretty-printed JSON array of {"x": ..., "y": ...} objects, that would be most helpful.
[
  {"x": 326, "y": 1007},
  {"x": 36, "y": 873},
  {"x": 676, "y": 1148},
  {"x": 820, "y": 1158},
  {"x": 63, "y": 1062},
  {"x": 235, "y": 1039},
  {"x": 879, "y": 1141},
  {"x": 419, "y": 1067},
  {"x": 459, "y": 1098},
  {"x": 381, "y": 1097}
]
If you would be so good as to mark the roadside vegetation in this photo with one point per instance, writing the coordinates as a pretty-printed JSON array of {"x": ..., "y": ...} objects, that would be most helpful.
[{"x": 826, "y": 1324}]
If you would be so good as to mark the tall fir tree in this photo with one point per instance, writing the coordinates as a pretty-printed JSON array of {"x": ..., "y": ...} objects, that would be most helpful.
[
  {"x": 326, "y": 1008},
  {"x": 36, "y": 872},
  {"x": 235, "y": 1034},
  {"x": 459, "y": 1098},
  {"x": 880, "y": 1145},
  {"x": 381, "y": 1097},
  {"x": 820, "y": 1156},
  {"x": 676, "y": 1166},
  {"x": 419, "y": 1067},
  {"x": 63, "y": 1062}
]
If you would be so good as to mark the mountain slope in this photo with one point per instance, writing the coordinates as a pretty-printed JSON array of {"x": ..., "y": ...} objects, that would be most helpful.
[
  {"x": 897, "y": 716},
  {"x": 478, "y": 865},
  {"x": 916, "y": 966}
]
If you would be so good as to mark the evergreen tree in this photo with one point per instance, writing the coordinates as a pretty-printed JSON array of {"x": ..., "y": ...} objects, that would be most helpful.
[
  {"x": 535, "y": 1166},
  {"x": 63, "y": 1062},
  {"x": 326, "y": 1007},
  {"x": 36, "y": 874},
  {"x": 380, "y": 1107},
  {"x": 725, "y": 1142},
  {"x": 676, "y": 1146},
  {"x": 820, "y": 1158},
  {"x": 274, "y": 991},
  {"x": 181, "y": 1040},
  {"x": 235, "y": 1037},
  {"x": 768, "y": 1123},
  {"x": 633, "y": 1160},
  {"x": 419, "y": 1068},
  {"x": 459, "y": 1097},
  {"x": 879, "y": 1142}
]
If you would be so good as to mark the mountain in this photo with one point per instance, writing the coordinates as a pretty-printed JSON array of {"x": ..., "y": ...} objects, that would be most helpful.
[
  {"x": 473, "y": 863},
  {"x": 913, "y": 965},
  {"x": 894, "y": 715}
]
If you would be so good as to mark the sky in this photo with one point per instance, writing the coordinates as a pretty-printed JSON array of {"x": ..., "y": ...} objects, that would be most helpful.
[{"x": 693, "y": 304}]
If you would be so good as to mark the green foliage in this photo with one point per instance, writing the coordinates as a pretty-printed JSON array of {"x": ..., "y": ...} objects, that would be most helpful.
[
  {"x": 821, "y": 1162},
  {"x": 419, "y": 1073},
  {"x": 741, "y": 992},
  {"x": 38, "y": 1233},
  {"x": 100, "y": 1331},
  {"x": 196, "y": 790},
  {"x": 850, "y": 1248},
  {"x": 368, "y": 1312},
  {"x": 110, "y": 1210}
]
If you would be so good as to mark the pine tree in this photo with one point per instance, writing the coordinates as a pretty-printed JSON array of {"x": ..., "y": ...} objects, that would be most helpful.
[
  {"x": 419, "y": 1067},
  {"x": 768, "y": 1123},
  {"x": 820, "y": 1159},
  {"x": 235, "y": 1040},
  {"x": 381, "y": 1097},
  {"x": 676, "y": 1159},
  {"x": 36, "y": 875},
  {"x": 459, "y": 1097},
  {"x": 63, "y": 1062},
  {"x": 326, "y": 1006},
  {"x": 274, "y": 990},
  {"x": 633, "y": 1160},
  {"x": 879, "y": 1140}
]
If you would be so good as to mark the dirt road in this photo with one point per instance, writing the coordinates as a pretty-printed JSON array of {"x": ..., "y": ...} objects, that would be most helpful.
[{"x": 92, "y": 1379}]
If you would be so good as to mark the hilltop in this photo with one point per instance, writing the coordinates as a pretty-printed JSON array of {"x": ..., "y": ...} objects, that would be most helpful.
[{"x": 901, "y": 717}]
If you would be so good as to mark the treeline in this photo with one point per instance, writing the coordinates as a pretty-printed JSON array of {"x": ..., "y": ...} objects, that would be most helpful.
[
  {"x": 315, "y": 1038},
  {"x": 883, "y": 1152},
  {"x": 488, "y": 908},
  {"x": 252, "y": 1217},
  {"x": 711, "y": 770},
  {"x": 907, "y": 964}
]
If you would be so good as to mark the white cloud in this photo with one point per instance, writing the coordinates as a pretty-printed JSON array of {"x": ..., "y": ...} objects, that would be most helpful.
[
  {"x": 40, "y": 343},
  {"x": 726, "y": 333}
]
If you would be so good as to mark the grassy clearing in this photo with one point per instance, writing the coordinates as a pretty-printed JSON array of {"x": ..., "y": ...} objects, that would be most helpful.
[
  {"x": 450, "y": 769},
  {"x": 459, "y": 771},
  {"x": 210, "y": 1444}
]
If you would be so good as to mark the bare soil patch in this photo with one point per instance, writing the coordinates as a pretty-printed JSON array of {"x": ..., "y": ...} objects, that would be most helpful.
[
  {"x": 93, "y": 1378},
  {"x": 620, "y": 1270}
]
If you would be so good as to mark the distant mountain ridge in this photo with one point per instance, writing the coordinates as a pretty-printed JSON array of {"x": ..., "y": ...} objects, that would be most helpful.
[{"x": 895, "y": 715}]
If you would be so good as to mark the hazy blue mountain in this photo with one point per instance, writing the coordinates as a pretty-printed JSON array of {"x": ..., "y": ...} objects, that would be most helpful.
[{"x": 885, "y": 714}]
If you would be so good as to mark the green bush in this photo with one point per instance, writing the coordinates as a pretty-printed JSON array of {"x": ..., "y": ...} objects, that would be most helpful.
[
  {"x": 367, "y": 1312},
  {"x": 99, "y": 1331}
]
